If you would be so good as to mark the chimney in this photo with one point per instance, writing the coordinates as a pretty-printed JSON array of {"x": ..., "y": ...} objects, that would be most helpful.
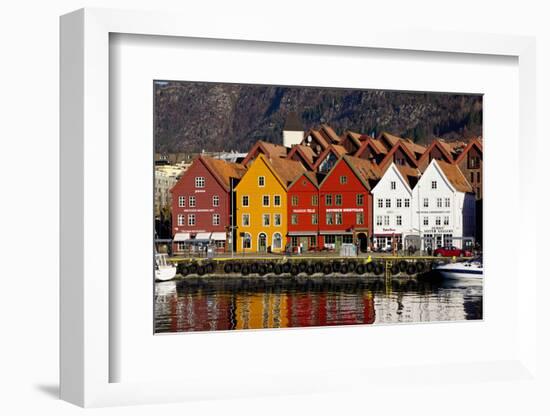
[{"x": 293, "y": 132}]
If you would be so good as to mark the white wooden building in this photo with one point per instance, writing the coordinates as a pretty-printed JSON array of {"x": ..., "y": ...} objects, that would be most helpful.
[
  {"x": 443, "y": 206},
  {"x": 393, "y": 206}
]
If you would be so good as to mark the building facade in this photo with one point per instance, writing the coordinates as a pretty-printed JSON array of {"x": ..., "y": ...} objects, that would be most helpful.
[
  {"x": 201, "y": 203},
  {"x": 443, "y": 207}
]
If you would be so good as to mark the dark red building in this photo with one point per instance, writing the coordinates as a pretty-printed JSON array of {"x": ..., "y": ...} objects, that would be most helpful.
[
  {"x": 201, "y": 203},
  {"x": 345, "y": 203}
]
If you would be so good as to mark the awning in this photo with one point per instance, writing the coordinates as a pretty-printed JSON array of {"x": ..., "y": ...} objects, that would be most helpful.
[
  {"x": 202, "y": 236},
  {"x": 181, "y": 237},
  {"x": 218, "y": 236},
  {"x": 298, "y": 233},
  {"x": 331, "y": 232}
]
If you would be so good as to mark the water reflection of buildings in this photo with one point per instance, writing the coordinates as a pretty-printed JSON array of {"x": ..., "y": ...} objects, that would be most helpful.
[{"x": 209, "y": 311}]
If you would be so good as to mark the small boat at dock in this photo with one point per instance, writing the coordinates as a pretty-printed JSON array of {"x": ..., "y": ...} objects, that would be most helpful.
[
  {"x": 471, "y": 269},
  {"x": 163, "y": 270}
]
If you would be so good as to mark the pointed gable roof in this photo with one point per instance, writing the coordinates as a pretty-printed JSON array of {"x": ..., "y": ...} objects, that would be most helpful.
[
  {"x": 454, "y": 175},
  {"x": 476, "y": 142},
  {"x": 374, "y": 144},
  {"x": 223, "y": 171},
  {"x": 336, "y": 150},
  {"x": 266, "y": 148},
  {"x": 285, "y": 170},
  {"x": 391, "y": 140},
  {"x": 443, "y": 148},
  {"x": 366, "y": 171},
  {"x": 409, "y": 176},
  {"x": 398, "y": 145},
  {"x": 306, "y": 153},
  {"x": 314, "y": 178}
]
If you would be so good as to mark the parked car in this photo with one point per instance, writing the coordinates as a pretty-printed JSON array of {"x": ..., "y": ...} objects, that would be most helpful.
[{"x": 451, "y": 251}]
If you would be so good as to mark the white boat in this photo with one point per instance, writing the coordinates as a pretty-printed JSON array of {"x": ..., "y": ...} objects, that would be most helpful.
[
  {"x": 163, "y": 270},
  {"x": 472, "y": 269}
]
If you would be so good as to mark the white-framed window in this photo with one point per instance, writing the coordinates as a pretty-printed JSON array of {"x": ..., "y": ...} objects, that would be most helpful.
[
  {"x": 246, "y": 220},
  {"x": 380, "y": 203},
  {"x": 191, "y": 219},
  {"x": 434, "y": 184},
  {"x": 379, "y": 220},
  {"x": 398, "y": 220},
  {"x": 181, "y": 201},
  {"x": 181, "y": 246},
  {"x": 446, "y": 220},
  {"x": 388, "y": 203},
  {"x": 277, "y": 200},
  {"x": 338, "y": 218},
  {"x": 294, "y": 219},
  {"x": 447, "y": 202},
  {"x": 439, "y": 202},
  {"x": 393, "y": 185},
  {"x": 330, "y": 239},
  {"x": 386, "y": 220},
  {"x": 199, "y": 182},
  {"x": 294, "y": 200},
  {"x": 277, "y": 220},
  {"x": 330, "y": 218},
  {"x": 181, "y": 219},
  {"x": 266, "y": 220},
  {"x": 245, "y": 200},
  {"x": 192, "y": 201},
  {"x": 426, "y": 221},
  {"x": 338, "y": 200},
  {"x": 359, "y": 218},
  {"x": 398, "y": 202},
  {"x": 215, "y": 201},
  {"x": 437, "y": 220},
  {"x": 261, "y": 181},
  {"x": 314, "y": 200},
  {"x": 425, "y": 203},
  {"x": 247, "y": 241},
  {"x": 215, "y": 219},
  {"x": 277, "y": 240},
  {"x": 265, "y": 200},
  {"x": 314, "y": 219},
  {"x": 328, "y": 199},
  {"x": 360, "y": 199},
  {"x": 343, "y": 180},
  {"x": 407, "y": 202}
]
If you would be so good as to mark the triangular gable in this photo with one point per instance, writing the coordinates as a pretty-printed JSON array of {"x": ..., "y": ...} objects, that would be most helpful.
[
  {"x": 394, "y": 149},
  {"x": 324, "y": 155},
  {"x": 393, "y": 167},
  {"x": 262, "y": 147},
  {"x": 474, "y": 142},
  {"x": 307, "y": 175},
  {"x": 297, "y": 150},
  {"x": 345, "y": 159},
  {"x": 461, "y": 183},
  {"x": 435, "y": 144},
  {"x": 368, "y": 143}
]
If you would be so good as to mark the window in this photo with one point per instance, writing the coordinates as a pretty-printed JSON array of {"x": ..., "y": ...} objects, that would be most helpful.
[
  {"x": 379, "y": 220},
  {"x": 380, "y": 203},
  {"x": 315, "y": 200},
  {"x": 277, "y": 200},
  {"x": 277, "y": 240},
  {"x": 434, "y": 184},
  {"x": 343, "y": 180},
  {"x": 181, "y": 246},
  {"x": 265, "y": 200},
  {"x": 246, "y": 220},
  {"x": 192, "y": 201},
  {"x": 445, "y": 220},
  {"x": 425, "y": 221},
  {"x": 277, "y": 219},
  {"x": 407, "y": 202},
  {"x": 265, "y": 220},
  {"x": 425, "y": 202},
  {"x": 328, "y": 200},
  {"x": 261, "y": 181},
  {"x": 191, "y": 219},
  {"x": 360, "y": 199},
  {"x": 215, "y": 219},
  {"x": 313, "y": 241},
  {"x": 294, "y": 200},
  {"x": 314, "y": 219},
  {"x": 479, "y": 176},
  {"x": 471, "y": 177},
  {"x": 294, "y": 219},
  {"x": 398, "y": 202},
  {"x": 294, "y": 241},
  {"x": 447, "y": 202},
  {"x": 347, "y": 239},
  {"x": 181, "y": 219},
  {"x": 386, "y": 220},
  {"x": 338, "y": 218},
  {"x": 330, "y": 218},
  {"x": 247, "y": 241},
  {"x": 388, "y": 203},
  {"x": 359, "y": 218},
  {"x": 215, "y": 201},
  {"x": 245, "y": 200},
  {"x": 330, "y": 239},
  {"x": 181, "y": 201},
  {"x": 437, "y": 220},
  {"x": 199, "y": 182},
  {"x": 392, "y": 185},
  {"x": 398, "y": 220},
  {"x": 439, "y": 202},
  {"x": 338, "y": 200}
]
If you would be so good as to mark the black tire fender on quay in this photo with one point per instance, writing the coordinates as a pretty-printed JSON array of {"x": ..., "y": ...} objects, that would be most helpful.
[
  {"x": 403, "y": 266},
  {"x": 420, "y": 266},
  {"x": 369, "y": 267},
  {"x": 395, "y": 269},
  {"x": 294, "y": 270},
  {"x": 411, "y": 269},
  {"x": 327, "y": 269},
  {"x": 344, "y": 268},
  {"x": 237, "y": 267},
  {"x": 286, "y": 268},
  {"x": 245, "y": 269},
  {"x": 318, "y": 267},
  {"x": 210, "y": 268},
  {"x": 360, "y": 269},
  {"x": 310, "y": 269},
  {"x": 228, "y": 268},
  {"x": 262, "y": 269},
  {"x": 201, "y": 270},
  {"x": 277, "y": 269},
  {"x": 378, "y": 269}
]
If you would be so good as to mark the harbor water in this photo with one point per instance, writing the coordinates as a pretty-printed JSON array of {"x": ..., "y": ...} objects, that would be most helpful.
[{"x": 381, "y": 302}]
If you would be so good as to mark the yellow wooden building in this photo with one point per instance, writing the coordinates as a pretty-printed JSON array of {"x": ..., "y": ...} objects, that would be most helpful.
[{"x": 261, "y": 204}]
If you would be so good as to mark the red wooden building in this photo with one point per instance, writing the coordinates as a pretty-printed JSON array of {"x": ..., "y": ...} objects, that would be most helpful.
[
  {"x": 201, "y": 203},
  {"x": 345, "y": 203}
]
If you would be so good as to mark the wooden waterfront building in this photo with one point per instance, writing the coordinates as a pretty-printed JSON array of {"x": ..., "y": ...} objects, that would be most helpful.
[{"x": 201, "y": 203}]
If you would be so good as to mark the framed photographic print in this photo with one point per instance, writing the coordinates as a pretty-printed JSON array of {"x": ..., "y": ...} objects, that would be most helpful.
[{"x": 247, "y": 206}]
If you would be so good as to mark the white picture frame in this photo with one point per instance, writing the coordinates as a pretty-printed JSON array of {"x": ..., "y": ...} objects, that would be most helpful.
[{"x": 85, "y": 213}]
